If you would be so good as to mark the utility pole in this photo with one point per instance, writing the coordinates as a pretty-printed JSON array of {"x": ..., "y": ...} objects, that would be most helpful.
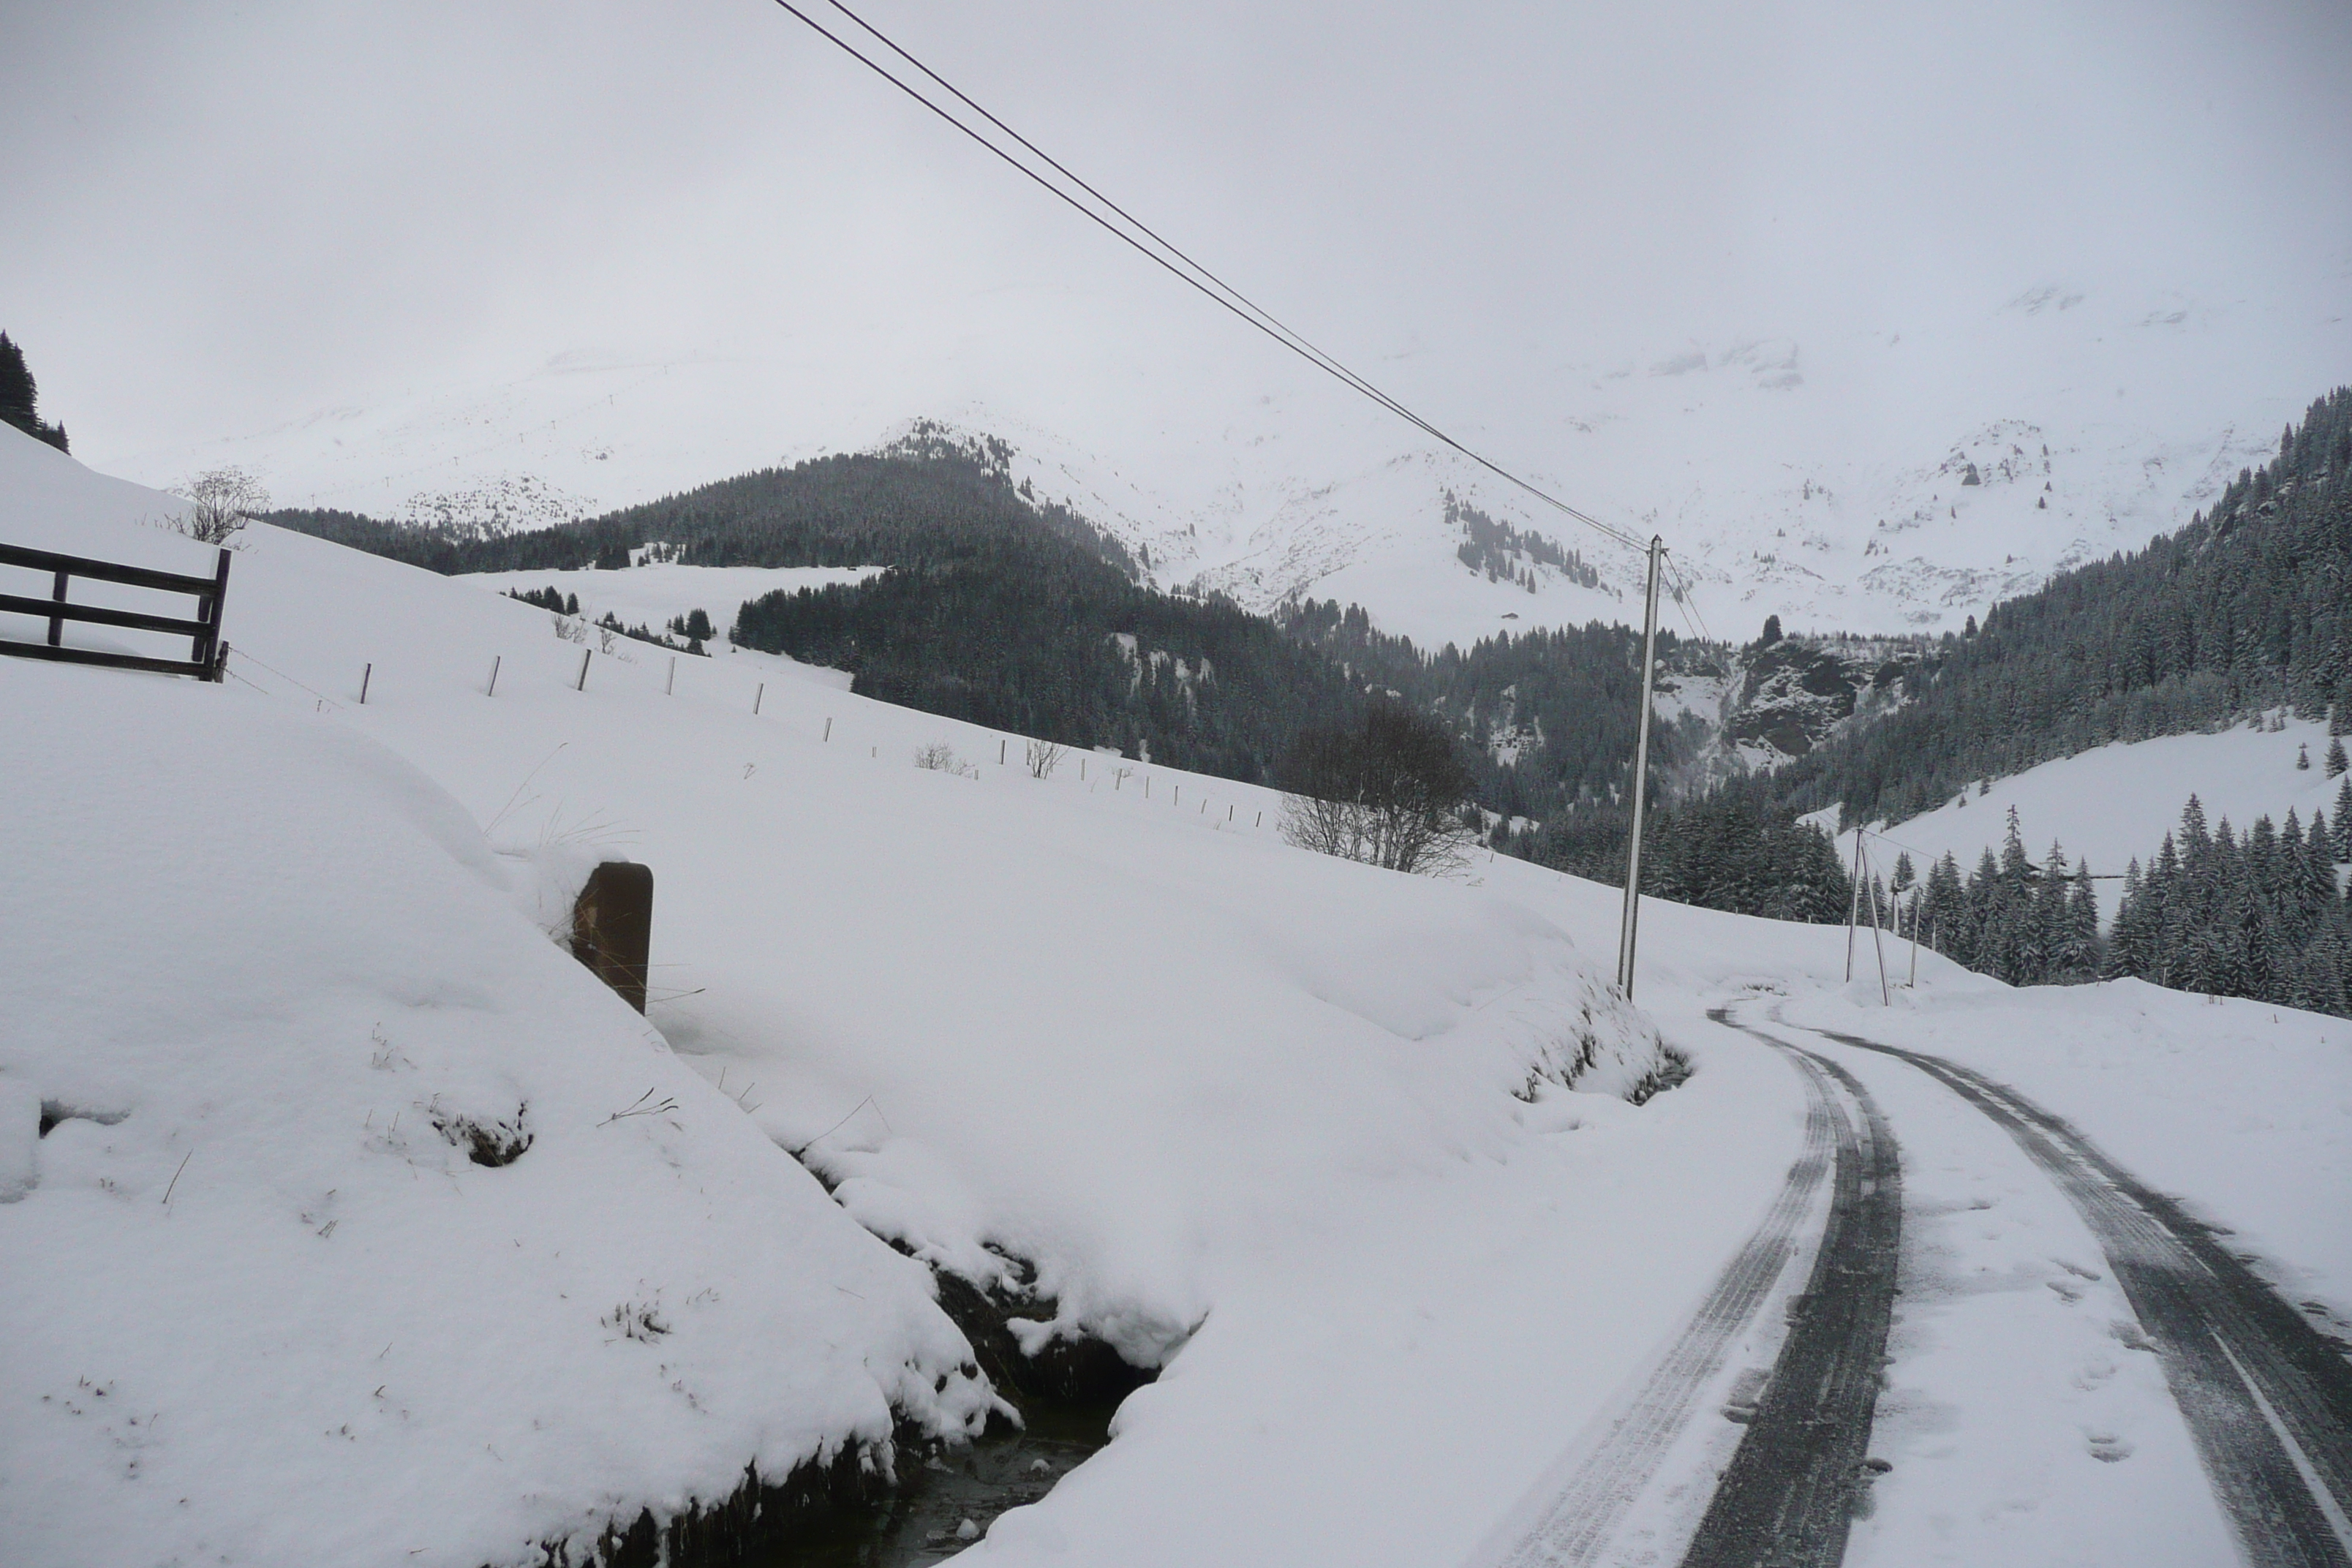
[
  {"x": 1633, "y": 916},
  {"x": 1878, "y": 941},
  {"x": 1853, "y": 910},
  {"x": 1914, "y": 939}
]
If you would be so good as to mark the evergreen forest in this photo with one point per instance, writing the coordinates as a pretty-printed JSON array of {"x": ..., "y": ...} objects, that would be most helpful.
[{"x": 20, "y": 397}]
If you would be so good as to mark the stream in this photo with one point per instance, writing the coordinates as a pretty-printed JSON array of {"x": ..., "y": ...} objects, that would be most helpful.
[{"x": 926, "y": 1522}]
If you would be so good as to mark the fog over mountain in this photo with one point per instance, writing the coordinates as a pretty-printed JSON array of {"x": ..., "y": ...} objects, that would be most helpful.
[{"x": 1765, "y": 283}]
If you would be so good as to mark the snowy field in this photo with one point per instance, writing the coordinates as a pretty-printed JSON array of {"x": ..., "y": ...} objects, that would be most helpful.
[
  {"x": 2113, "y": 805},
  {"x": 1299, "y": 1132}
]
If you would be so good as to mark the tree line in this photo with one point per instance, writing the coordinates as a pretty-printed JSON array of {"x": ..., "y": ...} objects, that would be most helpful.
[
  {"x": 2258, "y": 914},
  {"x": 1034, "y": 635},
  {"x": 1733, "y": 849},
  {"x": 2017, "y": 922},
  {"x": 20, "y": 397}
]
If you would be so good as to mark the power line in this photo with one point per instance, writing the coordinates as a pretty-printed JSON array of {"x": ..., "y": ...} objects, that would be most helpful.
[
  {"x": 1190, "y": 272},
  {"x": 1685, "y": 603}
]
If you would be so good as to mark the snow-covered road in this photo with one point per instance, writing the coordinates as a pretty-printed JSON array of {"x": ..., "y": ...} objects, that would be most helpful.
[
  {"x": 2019, "y": 1362},
  {"x": 2076, "y": 1372},
  {"x": 2267, "y": 1400}
]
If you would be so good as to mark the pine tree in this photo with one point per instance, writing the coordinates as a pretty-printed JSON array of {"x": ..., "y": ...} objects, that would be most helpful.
[
  {"x": 2126, "y": 953},
  {"x": 2316, "y": 894},
  {"x": 2080, "y": 954},
  {"x": 2163, "y": 930},
  {"x": 2342, "y": 838},
  {"x": 1980, "y": 928},
  {"x": 2336, "y": 762},
  {"x": 2042, "y": 957},
  {"x": 1941, "y": 907}
]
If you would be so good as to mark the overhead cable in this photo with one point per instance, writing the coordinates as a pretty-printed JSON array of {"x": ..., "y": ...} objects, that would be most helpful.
[{"x": 1183, "y": 268}]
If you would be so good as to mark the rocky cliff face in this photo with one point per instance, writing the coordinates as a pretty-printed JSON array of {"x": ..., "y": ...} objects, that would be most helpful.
[{"x": 1760, "y": 707}]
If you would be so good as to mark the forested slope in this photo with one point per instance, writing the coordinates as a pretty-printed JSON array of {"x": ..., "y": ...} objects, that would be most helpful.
[{"x": 2248, "y": 606}]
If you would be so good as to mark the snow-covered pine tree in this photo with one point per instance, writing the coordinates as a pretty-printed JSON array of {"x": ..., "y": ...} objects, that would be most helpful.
[
  {"x": 2042, "y": 954},
  {"x": 2081, "y": 958},
  {"x": 2126, "y": 951}
]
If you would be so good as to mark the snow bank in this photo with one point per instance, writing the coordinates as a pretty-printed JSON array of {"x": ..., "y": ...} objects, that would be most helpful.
[{"x": 268, "y": 986}]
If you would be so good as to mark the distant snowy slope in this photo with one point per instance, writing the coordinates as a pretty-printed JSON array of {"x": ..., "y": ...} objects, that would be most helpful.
[{"x": 2115, "y": 804}]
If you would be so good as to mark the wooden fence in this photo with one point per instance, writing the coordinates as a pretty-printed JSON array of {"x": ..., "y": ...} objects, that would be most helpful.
[{"x": 206, "y": 656}]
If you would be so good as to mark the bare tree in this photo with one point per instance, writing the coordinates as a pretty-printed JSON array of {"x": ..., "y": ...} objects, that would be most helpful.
[
  {"x": 220, "y": 501},
  {"x": 1388, "y": 793},
  {"x": 1043, "y": 757},
  {"x": 937, "y": 757}
]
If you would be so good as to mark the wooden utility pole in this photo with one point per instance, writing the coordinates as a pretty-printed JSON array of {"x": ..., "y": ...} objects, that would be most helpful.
[
  {"x": 1878, "y": 941},
  {"x": 1631, "y": 918},
  {"x": 1853, "y": 909},
  {"x": 1914, "y": 939}
]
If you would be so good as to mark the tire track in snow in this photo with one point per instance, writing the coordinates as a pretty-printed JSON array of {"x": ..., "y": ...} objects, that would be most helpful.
[
  {"x": 1788, "y": 1494},
  {"x": 2267, "y": 1398},
  {"x": 1573, "y": 1516}
]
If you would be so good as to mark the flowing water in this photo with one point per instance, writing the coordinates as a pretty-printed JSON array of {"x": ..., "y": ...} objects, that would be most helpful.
[{"x": 949, "y": 1502}]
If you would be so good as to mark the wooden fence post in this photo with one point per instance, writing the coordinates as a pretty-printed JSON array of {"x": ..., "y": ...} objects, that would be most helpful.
[{"x": 611, "y": 927}]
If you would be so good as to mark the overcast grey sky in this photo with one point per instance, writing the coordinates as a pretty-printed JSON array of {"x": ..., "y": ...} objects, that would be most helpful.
[{"x": 218, "y": 218}]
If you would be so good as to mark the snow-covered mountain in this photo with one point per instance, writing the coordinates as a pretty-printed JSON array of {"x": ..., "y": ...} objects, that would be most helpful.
[{"x": 1878, "y": 480}]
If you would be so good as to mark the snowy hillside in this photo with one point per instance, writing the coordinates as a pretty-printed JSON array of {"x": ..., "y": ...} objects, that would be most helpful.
[
  {"x": 1774, "y": 468},
  {"x": 2115, "y": 804},
  {"x": 975, "y": 1001},
  {"x": 1347, "y": 1156}
]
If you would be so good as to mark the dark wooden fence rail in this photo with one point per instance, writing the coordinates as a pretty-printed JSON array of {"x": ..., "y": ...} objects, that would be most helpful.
[{"x": 206, "y": 657}]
